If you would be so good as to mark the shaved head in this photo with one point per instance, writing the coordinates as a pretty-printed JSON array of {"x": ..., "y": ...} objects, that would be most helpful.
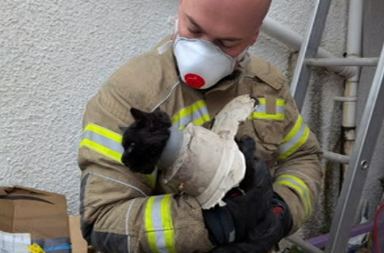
[
  {"x": 233, "y": 23},
  {"x": 248, "y": 13}
]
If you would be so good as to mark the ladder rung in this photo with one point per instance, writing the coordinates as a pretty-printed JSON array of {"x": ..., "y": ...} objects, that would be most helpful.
[
  {"x": 294, "y": 40},
  {"x": 345, "y": 99},
  {"x": 307, "y": 247},
  {"x": 321, "y": 240},
  {"x": 335, "y": 157},
  {"x": 326, "y": 62}
]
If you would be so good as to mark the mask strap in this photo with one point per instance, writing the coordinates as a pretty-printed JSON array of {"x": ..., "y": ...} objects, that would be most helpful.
[
  {"x": 173, "y": 23},
  {"x": 246, "y": 60},
  {"x": 163, "y": 48}
]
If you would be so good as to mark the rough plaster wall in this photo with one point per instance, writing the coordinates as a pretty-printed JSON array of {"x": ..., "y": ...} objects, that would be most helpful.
[
  {"x": 56, "y": 54},
  {"x": 54, "y": 57}
]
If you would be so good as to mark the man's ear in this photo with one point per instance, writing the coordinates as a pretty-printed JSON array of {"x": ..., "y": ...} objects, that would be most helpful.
[{"x": 254, "y": 39}]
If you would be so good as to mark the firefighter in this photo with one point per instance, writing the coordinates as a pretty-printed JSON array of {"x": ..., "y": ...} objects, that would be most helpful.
[{"x": 191, "y": 75}]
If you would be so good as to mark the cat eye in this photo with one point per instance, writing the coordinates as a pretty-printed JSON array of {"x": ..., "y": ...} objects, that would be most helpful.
[{"x": 130, "y": 147}]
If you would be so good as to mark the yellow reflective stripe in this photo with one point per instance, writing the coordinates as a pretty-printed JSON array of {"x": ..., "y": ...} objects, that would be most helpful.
[
  {"x": 114, "y": 155},
  {"x": 280, "y": 102},
  {"x": 168, "y": 225},
  {"x": 149, "y": 225},
  {"x": 159, "y": 224},
  {"x": 152, "y": 177},
  {"x": 294, "y": 139},
  {"x": 299, "y": 186},
  {"x": 262, "y": 101},
  {"x": 202, "y": 120},
  {"x": 295, "y": 147},
  {"x": 107, "y": 143},
  {"x": 261, "y": 111},
  {"x": 196, "y": 113},
  {"x": 104, "y": 132},
  {"x": 263, "y": 115},
  {"x": 188, "y": 110},
  {"x": 294, "y": 129},
  {"x": 103, "y": 141}
]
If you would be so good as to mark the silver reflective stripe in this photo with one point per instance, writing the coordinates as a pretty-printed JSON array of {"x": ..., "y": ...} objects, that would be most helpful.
[
  {"x": 197, "y": 113},
  {"x": 304, "y": 190},
  {"x": 261, "y": 111},
  {"x": 280, "y": 109},
  {"x": 127, "y": 226},
  {"x": 158, "y": 225},
  {"x": 298, "y": 185},
  {"x": 295, "y": 139},
  {"x": 262, "y": 108},
  {"x": 296, "y": 172},
  {"x": 192, "y": 117},
  {"x": 106, "y": 142}
]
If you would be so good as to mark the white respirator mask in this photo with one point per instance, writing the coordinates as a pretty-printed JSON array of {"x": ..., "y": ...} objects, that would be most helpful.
[{"x": 201, "y": 63}]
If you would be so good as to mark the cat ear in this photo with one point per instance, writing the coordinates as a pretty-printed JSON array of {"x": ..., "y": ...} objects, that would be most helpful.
[
  {"x": 143, "y": 117},
  {"x": 138, "y": 114},
  {"x": 123, "y": 128}
]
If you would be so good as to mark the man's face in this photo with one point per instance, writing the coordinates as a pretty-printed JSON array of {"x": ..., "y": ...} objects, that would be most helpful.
[{"x": 232, "y": 25}]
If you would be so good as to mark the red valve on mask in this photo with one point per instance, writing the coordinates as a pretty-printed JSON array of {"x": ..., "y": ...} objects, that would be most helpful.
[{"x": 194, "y": 80}]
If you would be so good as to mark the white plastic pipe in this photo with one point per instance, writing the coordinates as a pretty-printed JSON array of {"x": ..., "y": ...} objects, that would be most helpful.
[
  {"x": 367, "y": 61},
  {"x": 354, "y": 37},
  {"x": 294, "y": 40},
  {"x": 353, "y": 45}
]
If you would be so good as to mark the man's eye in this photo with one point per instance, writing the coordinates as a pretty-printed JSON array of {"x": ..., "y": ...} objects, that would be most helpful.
[
  {"x": 226, "y": 44},
  {"x": 194, "y": 31}
]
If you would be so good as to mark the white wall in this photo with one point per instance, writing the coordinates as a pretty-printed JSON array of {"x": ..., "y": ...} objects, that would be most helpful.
[{"x": 54, "y": 55}]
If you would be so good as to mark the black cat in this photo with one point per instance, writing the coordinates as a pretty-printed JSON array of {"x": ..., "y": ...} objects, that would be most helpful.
[{"x": 144, "y": 141}]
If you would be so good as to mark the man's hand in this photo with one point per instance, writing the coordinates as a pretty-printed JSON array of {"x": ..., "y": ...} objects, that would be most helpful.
[
  {"x": 254, "y": 221},
  {"x": 274, "y": 227},
  {"x": 266, "y": 234}
]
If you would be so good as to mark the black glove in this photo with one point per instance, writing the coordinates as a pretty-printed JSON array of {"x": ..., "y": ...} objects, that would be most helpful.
[
  {"x": 276, "y": 225},
  {"x": 232, "y": 223},
  {"x": 236, "y": 221}
]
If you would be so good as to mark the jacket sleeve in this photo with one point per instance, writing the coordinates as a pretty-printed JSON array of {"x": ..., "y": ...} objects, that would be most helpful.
[
  {"x": 119, "y": 212},
  {"x": 299, "y": 172}
]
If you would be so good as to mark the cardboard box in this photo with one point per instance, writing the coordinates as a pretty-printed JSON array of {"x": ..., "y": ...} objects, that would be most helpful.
[
  {"x": 79, "y": 245},
  {"x": 42, "y": 214}
]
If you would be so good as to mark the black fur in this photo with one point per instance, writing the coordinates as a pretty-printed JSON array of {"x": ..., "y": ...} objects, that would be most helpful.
[{"x": 145, "y": 139}]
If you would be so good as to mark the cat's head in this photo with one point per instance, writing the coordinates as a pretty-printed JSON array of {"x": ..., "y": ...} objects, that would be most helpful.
[{"x": 145, "y": 139}]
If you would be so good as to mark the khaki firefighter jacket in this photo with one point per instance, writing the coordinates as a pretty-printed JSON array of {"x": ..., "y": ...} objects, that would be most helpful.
[{"x": 123, "y": 211}]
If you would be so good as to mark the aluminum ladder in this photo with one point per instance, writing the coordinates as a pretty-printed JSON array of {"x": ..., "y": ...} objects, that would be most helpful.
[{"x": 367, "y": 132}]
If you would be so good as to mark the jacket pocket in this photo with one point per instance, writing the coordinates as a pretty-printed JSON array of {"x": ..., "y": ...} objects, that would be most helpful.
[
  {"x": 268, "y": 135},
  {"x": 269, "y": 132}
]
